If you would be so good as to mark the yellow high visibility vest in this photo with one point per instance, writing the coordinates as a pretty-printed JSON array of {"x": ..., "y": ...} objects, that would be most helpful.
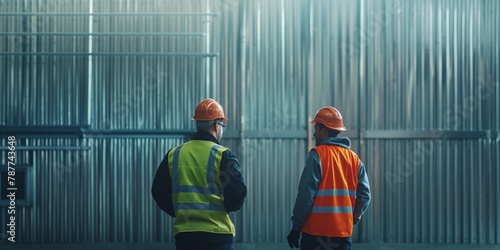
[{"x": 197, "y": 192}]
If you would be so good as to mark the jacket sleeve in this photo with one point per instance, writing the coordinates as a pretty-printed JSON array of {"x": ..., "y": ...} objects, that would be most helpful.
[
  {"x": 162, "y": 188},
  {"x": 308, "y": 187},
  {"x": 232, "y": 181},
  {"x": 362, "y": 194}
]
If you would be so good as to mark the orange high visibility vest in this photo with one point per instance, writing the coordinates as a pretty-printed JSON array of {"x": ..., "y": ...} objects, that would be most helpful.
[{"x": 332, "y": 211}]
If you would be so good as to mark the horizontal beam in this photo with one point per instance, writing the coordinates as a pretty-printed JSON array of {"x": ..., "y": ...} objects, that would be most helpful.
[
  {"x": 267, "y": 134},
  {"x": 84, "y": 131},
  {"x": 99, "y": 34},
  {"x": 137, "y": 133},
  {"x": 55, "y": 148},
  {"x": 110, "y": 14},
  {"x": 51, "y": 131},
  {"x": 435, "y": 134},
  {"x": 186, "y": 54}
]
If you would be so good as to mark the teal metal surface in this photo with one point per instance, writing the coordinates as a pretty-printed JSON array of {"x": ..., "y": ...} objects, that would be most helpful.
[{"x": 417, "y": 83}]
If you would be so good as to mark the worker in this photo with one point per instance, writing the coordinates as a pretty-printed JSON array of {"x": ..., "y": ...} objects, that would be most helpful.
[
  {"x": 199, "y": 183},
  {"x": 333, "y": 191}
]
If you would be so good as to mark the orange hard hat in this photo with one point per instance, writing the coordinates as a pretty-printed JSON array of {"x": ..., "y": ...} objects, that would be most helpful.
[
  {"x": 330, "y": 117},
  {"x": 209, "y": 110}
]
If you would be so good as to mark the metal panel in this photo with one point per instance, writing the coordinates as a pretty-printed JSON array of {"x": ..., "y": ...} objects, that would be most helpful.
[
  {"x": 41, "y": 90},
  {"x": 147, "y": 92},
  {"x": 97, "y": 195},
  {"x": 390, "y": 66},
  {"x": 417, "y": 83}
]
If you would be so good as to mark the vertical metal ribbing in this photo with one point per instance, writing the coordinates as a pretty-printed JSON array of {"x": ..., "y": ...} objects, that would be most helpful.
[
  {"x": 308, "y": 23},
  {"x": 398, "y": 198},
  {"x": 496, "y": 162},
  {"x": 242, "y": 43},
  {"x": 410, "y": 172},
  {"x": 495, "y": 123},
  {"x": 447, "y": 229},
  {"x": 209, "y": 83},
  {"x": 471, "y": 194},
  {"x": 462, "y": 206},
  {"x": 429, "y": 28},
  {"x": 480, "y": 181},
  {"x": 418, "y": 215},
  {"x": 132, "y": 199},
  {"x": 449, "y": 56},
  {"x": 455, "y": 201},
  {"x": 102, "y": 227}
]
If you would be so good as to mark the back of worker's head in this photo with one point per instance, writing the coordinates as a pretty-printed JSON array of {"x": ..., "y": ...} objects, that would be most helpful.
[
  {"x": 209, "y": 116},
  {"x": 331, "y": 132}
]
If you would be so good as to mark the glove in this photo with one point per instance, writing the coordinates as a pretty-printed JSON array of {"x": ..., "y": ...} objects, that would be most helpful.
[
  {"x": 355, "y": 222},
  {"x": 293, "y": 239}
]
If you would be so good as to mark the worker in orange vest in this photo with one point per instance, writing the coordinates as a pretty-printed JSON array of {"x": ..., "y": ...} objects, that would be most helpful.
[{"x": 334, "y": 191}]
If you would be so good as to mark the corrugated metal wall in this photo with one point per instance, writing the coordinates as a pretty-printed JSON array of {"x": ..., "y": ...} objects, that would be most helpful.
[{"x": 417, "y": 83}]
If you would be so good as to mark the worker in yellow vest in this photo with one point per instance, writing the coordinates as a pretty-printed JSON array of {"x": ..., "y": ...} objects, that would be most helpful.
[
  {"x": 199, "y": 183},
  {"x": 334, "y": 191}
]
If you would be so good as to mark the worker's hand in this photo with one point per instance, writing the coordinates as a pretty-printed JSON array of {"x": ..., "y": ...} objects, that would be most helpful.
[
  {"x": 293, "y": 238},
  {"x": 355, "y": 221}
]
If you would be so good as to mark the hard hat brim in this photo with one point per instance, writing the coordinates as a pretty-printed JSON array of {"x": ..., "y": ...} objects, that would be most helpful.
[
  {"x": 222, "y": 118},
  {"x": 334, "y": 128}
]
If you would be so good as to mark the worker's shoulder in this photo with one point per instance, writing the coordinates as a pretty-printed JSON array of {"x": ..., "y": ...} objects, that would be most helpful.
[
  {"x": 226, "y": 150},
  {"x": 228, "y": 154}
]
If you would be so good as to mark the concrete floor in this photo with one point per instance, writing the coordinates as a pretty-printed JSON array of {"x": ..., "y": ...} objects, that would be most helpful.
[{"x": 169, "y": 246}]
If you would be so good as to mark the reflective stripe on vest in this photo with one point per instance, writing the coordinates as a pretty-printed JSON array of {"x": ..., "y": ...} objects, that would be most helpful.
[
  {"x": 333, "y": 205},
  {"x": 198, "y": 198}
]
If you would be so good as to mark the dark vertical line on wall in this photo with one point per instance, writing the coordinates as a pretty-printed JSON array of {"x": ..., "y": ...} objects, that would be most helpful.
[
  {"x": 496, "y": 162},
  {"x": 241, "y": 55},
  {"x": 308, "y": 34},
  {"x": 23, "y": 78},
  {"x": 495, "y": 122},
  {"x": 362, "y": 59}
]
